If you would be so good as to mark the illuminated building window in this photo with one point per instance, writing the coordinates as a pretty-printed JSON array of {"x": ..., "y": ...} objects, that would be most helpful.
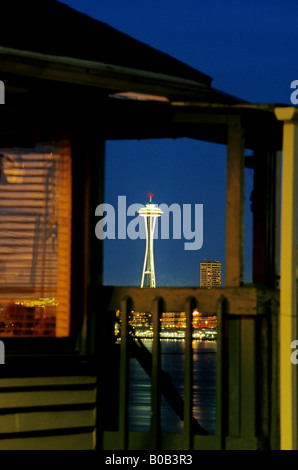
[
  {"x": 35, "y": 233},
  {"x": 210, "y": 273}
]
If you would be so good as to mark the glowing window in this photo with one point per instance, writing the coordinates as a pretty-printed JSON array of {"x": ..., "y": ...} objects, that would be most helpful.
[{"x": 35, "y": 242}]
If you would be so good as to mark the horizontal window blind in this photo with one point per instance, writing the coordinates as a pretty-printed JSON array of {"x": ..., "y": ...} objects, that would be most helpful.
[{"x": 35, "y": 242}]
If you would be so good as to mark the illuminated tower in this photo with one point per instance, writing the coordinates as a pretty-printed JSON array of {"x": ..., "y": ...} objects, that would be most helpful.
[{"x": 150, "y": 213}]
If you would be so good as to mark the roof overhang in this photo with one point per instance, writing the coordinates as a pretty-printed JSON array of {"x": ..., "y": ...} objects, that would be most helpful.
[
  {"x": 143, "y": 104},
  {"x": 112, "y": 78}
]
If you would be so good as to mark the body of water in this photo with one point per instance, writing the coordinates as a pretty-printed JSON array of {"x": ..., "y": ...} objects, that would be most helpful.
[{"x": 172, "y": 357}]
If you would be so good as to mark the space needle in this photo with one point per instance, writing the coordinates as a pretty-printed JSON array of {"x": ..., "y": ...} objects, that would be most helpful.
[{"x": 150, "y": 213}]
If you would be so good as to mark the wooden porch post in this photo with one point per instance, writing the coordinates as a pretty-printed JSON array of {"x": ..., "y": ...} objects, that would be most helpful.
[
  {"x": 288, "y": 307},
  {"x": 265, "y": 208},
  {"x": 124, "y": 376},
  {"x": 235, "y": 203}
]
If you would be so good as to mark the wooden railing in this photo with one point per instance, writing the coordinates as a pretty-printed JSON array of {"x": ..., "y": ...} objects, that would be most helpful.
[{"x": 246, "y": 362}]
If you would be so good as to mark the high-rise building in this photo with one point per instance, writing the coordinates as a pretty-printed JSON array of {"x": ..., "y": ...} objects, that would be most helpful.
[{"x": 210, "y": 273}]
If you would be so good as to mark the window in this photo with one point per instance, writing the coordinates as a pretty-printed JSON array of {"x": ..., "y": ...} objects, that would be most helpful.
[{"x": 35, "y": 242}]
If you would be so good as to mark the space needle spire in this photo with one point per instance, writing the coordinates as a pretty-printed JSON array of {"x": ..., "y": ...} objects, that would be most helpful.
[{"x": 150, "y": 213}]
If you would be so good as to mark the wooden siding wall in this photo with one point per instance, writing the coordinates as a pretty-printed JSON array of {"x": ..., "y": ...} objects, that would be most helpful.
[{"x": 48, "y": 413}]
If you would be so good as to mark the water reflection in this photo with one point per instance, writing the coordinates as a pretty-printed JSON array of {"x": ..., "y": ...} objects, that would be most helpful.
[{"x": 172, "y": 357}]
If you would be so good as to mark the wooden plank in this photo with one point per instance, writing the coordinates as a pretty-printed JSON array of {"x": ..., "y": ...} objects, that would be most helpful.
[
  {"x": 188, "y": 377},
  {"x": 222, "y": 393},
  {"x": 245, "y": 443},
  {"x": 80, "y": 441},
  {"x": 45, "y": 398},
  {"x": 248, "y": 377},
  {"x": 155, "y": 425},
  {"x": 46, "y": 381},
  {"x": 234, "y": 390},
  {"x": 46, "y": 420}
]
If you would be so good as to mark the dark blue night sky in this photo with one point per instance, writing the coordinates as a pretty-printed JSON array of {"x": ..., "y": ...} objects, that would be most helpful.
[{"x": 249, "y": 48}]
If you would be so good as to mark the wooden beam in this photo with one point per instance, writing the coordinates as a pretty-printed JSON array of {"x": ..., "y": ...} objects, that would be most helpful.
[
  {"x": 97, "y": 74},
  {"x": 235, "y": 204},
  {"x": 265, "y": 215},
  {"x": 288, "y": 305},
  {"x": 199, "y": 118},
  {"x": 241, "y": 301}
]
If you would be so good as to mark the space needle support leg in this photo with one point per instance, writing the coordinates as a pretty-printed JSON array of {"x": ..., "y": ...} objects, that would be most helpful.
[{"x": 146, "y": 255}]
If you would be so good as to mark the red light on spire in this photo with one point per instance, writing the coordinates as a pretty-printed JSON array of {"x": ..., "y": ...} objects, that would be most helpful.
[{"x": 150, "y": 196}]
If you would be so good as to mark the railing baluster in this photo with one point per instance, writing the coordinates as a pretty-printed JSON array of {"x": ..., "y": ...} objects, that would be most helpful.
[
  {"x": 155, "y": 379},
  {"x": 124, "y": 376},
  {"x": 221, "y": 372},
  {"x": 233, "y": 305},
  {"x": 188, "y": 375}
]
